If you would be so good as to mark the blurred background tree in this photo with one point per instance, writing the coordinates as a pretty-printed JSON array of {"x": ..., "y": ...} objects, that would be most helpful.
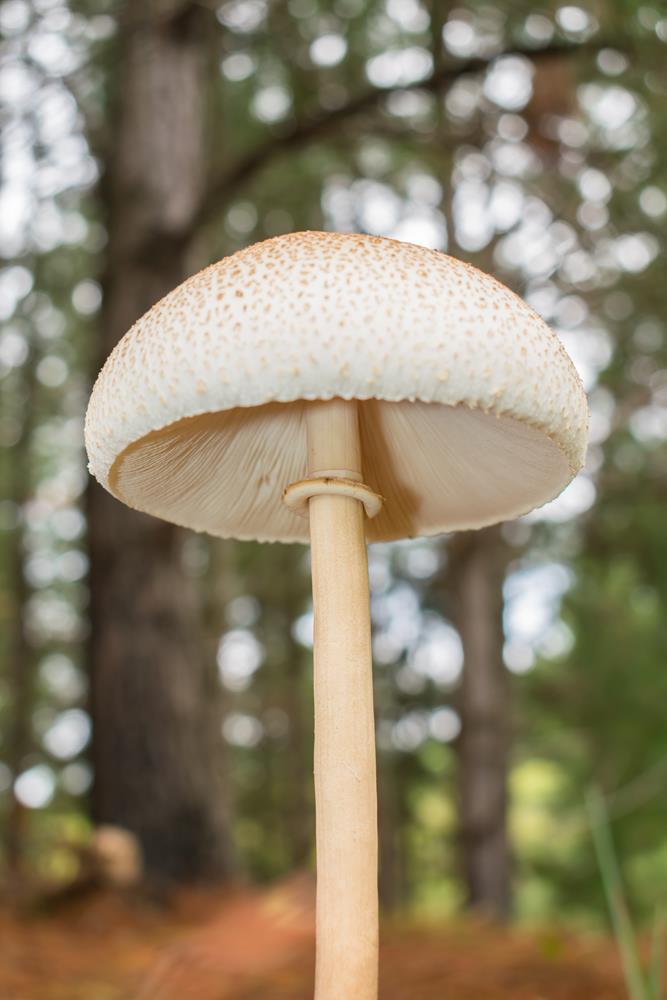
[{"x": 161, "y": 681}]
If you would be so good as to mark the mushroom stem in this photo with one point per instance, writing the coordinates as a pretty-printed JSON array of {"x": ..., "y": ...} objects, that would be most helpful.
[{"x": 345, "y": 781}]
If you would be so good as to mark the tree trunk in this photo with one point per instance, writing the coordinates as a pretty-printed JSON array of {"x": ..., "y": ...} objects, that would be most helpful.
[
  {"x": 157, "y": 740},
  {"x": 477, "y": 571}
]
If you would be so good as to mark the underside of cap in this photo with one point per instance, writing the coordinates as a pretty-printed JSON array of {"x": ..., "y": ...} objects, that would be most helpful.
[
  {"x": 471, "y": 412},
  {"x": 439, "y": 468}
]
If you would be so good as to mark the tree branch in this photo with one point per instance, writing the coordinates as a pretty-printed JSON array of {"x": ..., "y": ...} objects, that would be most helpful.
[{"x": 303, "y": 132}]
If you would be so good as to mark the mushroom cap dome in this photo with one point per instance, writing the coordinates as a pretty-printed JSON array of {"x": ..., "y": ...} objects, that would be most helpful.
[{"x": 471, "y": 411}]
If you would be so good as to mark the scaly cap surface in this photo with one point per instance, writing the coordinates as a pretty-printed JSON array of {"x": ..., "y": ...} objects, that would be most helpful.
[{"x": 472, "y": 411}]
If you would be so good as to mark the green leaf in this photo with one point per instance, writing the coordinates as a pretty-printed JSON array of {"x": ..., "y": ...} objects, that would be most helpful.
[
  {"x": 657, "y": 956},
  {"x": 613, "y": 886}
]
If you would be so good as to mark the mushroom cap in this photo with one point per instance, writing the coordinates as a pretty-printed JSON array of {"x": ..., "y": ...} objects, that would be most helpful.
[{"x": 471, "y": 411}]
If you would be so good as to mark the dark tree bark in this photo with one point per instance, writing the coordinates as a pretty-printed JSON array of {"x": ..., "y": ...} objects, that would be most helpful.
[
  {"x": 157, "y": 740},
  {"x": 478, "y": 561}
]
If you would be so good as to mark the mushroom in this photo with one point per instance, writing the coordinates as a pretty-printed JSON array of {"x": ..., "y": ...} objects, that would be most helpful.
[{"x": 343, "y": 389}]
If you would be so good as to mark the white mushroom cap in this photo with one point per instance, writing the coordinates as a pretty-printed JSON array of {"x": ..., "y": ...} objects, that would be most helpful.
[{"x": 471, "y": 411}]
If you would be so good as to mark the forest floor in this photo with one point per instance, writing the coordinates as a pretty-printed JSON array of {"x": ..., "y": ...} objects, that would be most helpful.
[{"x": 260, "y": 945}]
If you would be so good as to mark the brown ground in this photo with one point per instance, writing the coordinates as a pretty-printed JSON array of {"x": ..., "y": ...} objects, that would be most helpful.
[{"x": 256, "y": 946}]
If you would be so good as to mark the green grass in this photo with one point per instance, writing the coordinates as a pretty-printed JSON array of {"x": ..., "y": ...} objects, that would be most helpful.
[{"x": 643, "y": 980}]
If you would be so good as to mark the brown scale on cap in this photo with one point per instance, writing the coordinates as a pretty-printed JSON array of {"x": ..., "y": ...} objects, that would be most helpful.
[{"x": 471, "y": 411}]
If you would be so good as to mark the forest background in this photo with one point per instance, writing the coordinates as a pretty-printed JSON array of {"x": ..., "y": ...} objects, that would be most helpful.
[{"x": 160, "y": 681}]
